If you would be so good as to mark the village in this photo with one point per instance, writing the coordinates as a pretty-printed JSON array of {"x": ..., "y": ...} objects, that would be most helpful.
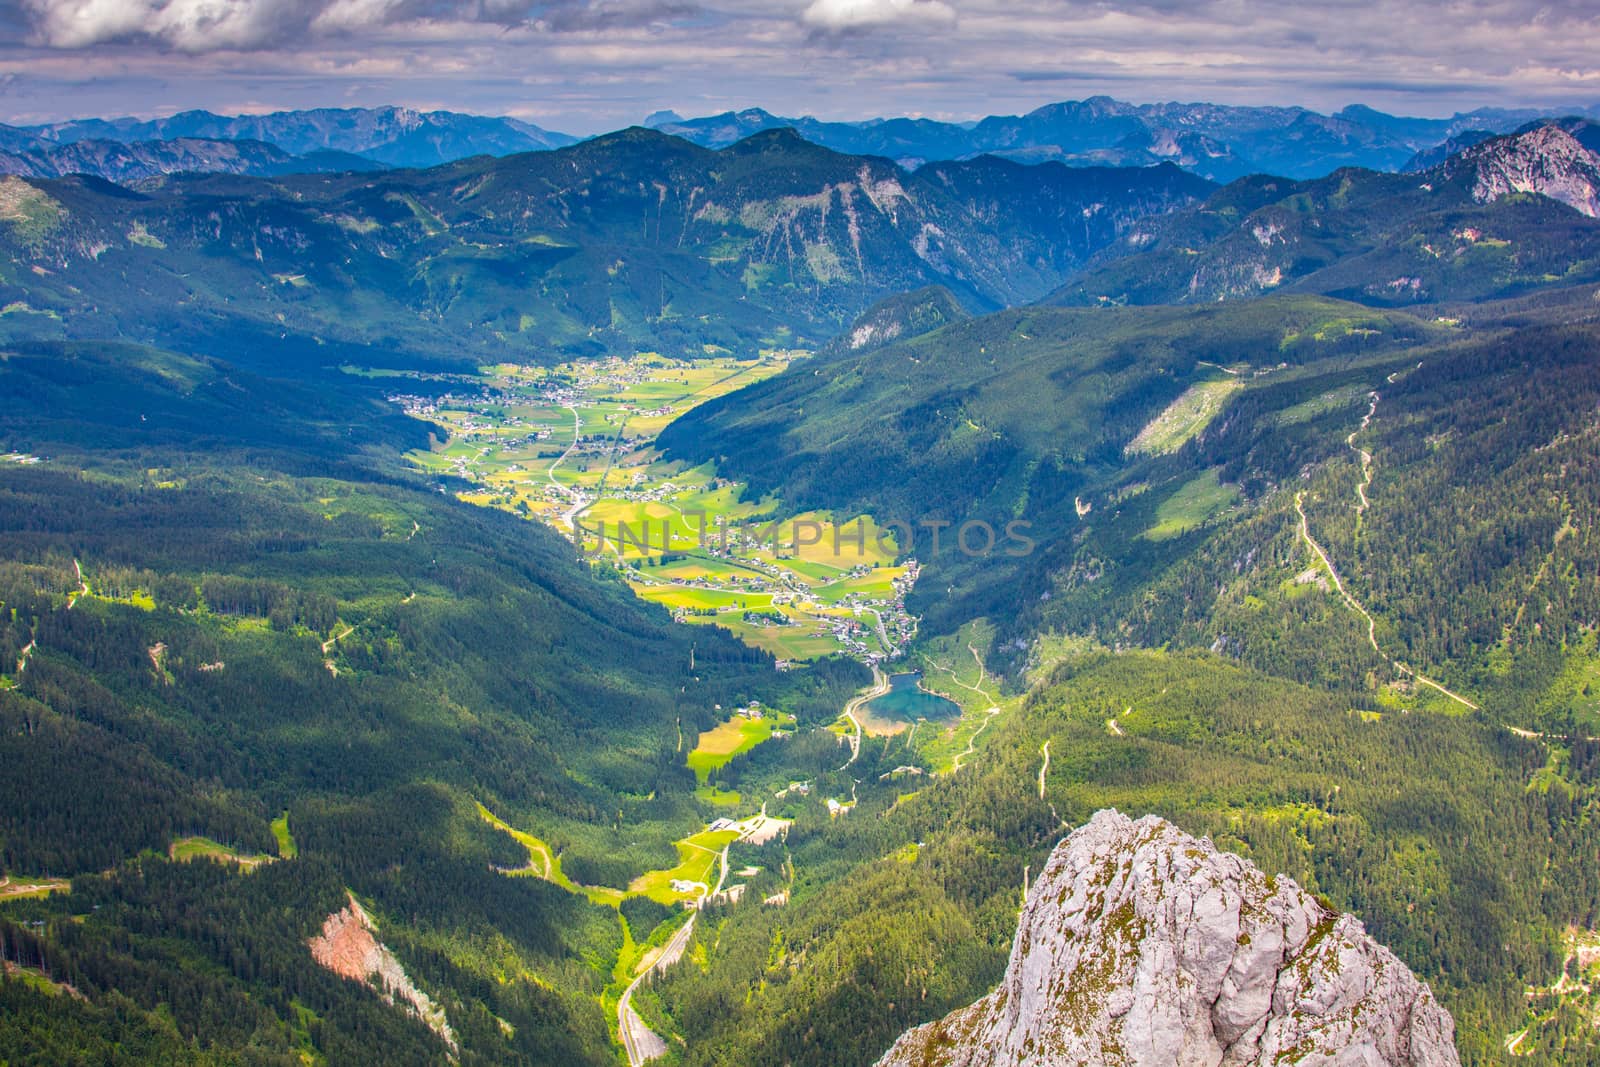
[{"x": 573, "y": 447}]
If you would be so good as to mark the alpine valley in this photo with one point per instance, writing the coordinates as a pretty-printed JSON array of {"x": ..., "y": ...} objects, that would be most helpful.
[{"x": 693, "y": 595}]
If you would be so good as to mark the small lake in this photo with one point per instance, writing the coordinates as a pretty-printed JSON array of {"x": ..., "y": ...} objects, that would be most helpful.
[{"x": 905, "y": 702}]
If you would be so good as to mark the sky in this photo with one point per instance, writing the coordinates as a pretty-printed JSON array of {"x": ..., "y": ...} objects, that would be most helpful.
[{"x": 585, "y": 66}]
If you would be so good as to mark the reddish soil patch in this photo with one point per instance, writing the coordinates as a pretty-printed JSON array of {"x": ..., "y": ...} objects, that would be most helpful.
[{"x": 346, "y": 946}]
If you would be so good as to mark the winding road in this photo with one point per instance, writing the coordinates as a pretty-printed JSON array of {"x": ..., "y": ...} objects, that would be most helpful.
[
  {"x": 83, "y": 586},
  {"x": 641, "y": 1043},
  {"x": 880, "y": 686},
  {"x": 1338, "y": 582},
  {"x": 1366, "y": 457},
  {"x": 570, "y": 516},
  {"x": 991, "y": 711}
]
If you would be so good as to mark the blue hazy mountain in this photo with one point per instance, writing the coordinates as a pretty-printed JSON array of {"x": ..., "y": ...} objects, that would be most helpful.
[
  {"x": 396, "y": 136},
  {"x": 1219, "y": 141}
]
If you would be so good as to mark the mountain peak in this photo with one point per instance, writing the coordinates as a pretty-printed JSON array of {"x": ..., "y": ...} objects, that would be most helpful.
[
  {"x": 1545, "y": 158},
  {"x": 1141, "y": 945},
  {"x": 785, "y": 138}
]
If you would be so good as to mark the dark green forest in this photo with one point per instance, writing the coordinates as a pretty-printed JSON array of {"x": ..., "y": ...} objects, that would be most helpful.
[
  {"x": 1313, "y": 572},
  {"x": 1259, "y": 712},
  {"x": 280, "y": 620}
]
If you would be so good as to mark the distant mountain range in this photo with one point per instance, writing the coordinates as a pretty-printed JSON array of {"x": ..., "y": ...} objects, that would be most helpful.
[
  {"x": 1464, "y": 229},
  {"x": 137, "y": 161},
  {"x": 390, "y": 136},
  {"x": 1215, "y": 141}
]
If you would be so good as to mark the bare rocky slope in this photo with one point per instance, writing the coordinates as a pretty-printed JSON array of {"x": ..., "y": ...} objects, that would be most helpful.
[
  {"x": 1141, "y": 945},
  {"x": 1503, "y": 217},
  {"x": 1550, "y": 159}
]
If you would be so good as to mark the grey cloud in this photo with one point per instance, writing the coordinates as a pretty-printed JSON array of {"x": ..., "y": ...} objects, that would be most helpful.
[
  {"x": 593, "y": 64},
  {"x": 606, "y": 14},
  {"x": 1071, "y": 76},
  {"x": 198, "y": 26}
]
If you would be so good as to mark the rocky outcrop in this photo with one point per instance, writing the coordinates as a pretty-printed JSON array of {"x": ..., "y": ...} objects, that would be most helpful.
[
  {"x": 1548, "y": 159},
  {"x": 348, "y": 947},
  {"x": 903, "y": 316},
  {"x": 1140, "y": 945}
]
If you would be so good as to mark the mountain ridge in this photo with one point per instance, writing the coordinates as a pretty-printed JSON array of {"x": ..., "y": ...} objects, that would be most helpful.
[
  {"x": 1453, "y": 231},
  {"x": 394, "y": 136},
  {"x": 1559, "y": 160},
  {"x": 1222, "y": 142},
  {"x": 632, "y": 239},
  {"x": 132, "y": 162}
]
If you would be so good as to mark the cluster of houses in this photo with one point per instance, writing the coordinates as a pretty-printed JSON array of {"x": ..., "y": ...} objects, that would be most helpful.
[{"x": 877, "y": 626}]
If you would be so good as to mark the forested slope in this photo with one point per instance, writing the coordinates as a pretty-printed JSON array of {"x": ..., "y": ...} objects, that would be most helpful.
[
  {"x": 633, "y": 241},
  {"x": 1423, "y": 825},
  {"x": 1215, "y": 662},
  {"x": 226, "y": 604}
]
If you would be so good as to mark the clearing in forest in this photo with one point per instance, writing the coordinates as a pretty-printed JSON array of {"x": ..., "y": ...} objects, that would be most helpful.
[
  {"x": 1194, "y": 504},
  {"x": 1184, "y": 418},
  {"x": 716, "y": 747},
  {"x": 187, "y": 849}
]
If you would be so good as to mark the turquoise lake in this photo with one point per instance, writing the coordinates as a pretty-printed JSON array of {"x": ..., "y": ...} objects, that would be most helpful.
[{"x": 904, "y": 701}]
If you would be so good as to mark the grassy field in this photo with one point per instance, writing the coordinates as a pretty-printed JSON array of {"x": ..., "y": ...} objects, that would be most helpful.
[
  {"x": 696, "y": 599},
  {"x": 953, "y": 667},
  {"x": 543, "y": 862},
  {"x": 796, "y": 643},
  {"x": 280, "y": 830},
  {"x": 697, "y": 865},
  {"x": 18, "y": 888},
  {"x": 718, "y": 798},
  {"x": 1344, "y": 397},
  {"x": 573, "y": 446},
  {"x": 716, "y": 747},
  {"x": 1185, "y": 417},
  {"x": 1194, "y": 504},
  {"x": 188, "y": 849}
]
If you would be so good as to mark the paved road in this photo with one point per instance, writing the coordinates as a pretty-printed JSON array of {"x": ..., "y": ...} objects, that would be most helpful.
[
  {"x": 641, "y": 1043},
  {"x": 569, "y": 518},
  {"x": 880, "y": 686}
]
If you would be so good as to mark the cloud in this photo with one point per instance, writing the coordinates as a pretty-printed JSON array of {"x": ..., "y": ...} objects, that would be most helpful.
[
  {"x": 608, "y": 14},
  {"x": 593, "y": 65},
  {"x": 86, "y": 22},
  {"x": 186, "y": 25},
  {"x": 198, "y": 26},
  {"x": 838, "y": 16}
]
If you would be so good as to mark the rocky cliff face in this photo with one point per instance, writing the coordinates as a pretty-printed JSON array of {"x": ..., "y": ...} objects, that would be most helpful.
[
  {"x": 1141, "y": 945},
  {"x": 1548, "y": 159}
]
